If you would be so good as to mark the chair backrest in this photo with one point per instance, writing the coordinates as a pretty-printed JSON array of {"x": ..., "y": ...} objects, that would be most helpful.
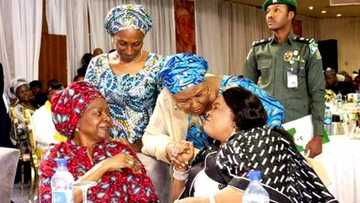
[{"x": 9, "y": 158}]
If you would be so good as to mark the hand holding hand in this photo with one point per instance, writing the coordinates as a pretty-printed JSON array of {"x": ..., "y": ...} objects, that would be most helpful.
[{"x": 180, "y": 154}]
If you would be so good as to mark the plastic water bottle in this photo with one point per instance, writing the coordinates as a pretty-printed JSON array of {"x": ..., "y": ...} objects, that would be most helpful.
[
  {"x": 255, "y": 192},
  {"x": 339, "y": 100},
  {"x": 328, "y": 120},
  {"x": 62, "y": 183}
]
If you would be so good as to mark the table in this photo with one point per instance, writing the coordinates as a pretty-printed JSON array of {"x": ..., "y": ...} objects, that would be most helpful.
[
  {"x": 8, "y": 160},
  {"x": 341, "y": 158}
]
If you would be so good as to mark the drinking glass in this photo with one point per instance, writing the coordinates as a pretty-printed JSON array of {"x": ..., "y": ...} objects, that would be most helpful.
[{"x": 84, "y": 186}]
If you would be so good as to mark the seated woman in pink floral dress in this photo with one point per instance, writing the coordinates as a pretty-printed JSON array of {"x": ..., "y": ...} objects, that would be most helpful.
[{"x": 81, "y": 113}]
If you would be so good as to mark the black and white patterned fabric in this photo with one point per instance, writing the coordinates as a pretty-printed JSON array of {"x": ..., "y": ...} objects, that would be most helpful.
[{"x": 273, "y": 152}]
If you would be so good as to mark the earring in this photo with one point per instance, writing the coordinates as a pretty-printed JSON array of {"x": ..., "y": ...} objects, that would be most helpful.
[{"x": 234, "y": 130}]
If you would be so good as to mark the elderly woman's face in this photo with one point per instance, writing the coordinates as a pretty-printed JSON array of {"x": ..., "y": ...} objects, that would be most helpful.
[
  {"x": 193, "y": 100},
  {"x": 219, "y": 123},
  {"x": 128, "y": 44},
  {"x": 95, "y": 122},
  {"x": 24, "y": 93}
]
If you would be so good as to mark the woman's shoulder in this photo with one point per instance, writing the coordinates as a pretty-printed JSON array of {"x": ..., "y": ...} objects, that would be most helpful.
[
  {"x": 154, "y": 62},
  {"x": 228, "y": 81},
  {"x": 97, "y": 66},
  {"x": 155, "y": 56},
  {"x": 261, "y": 132},
  {"x": 54, "y": 151},
  {"x": 100, "y": 62},
  {"x": 257, "y": 132},
  {"x": 254, "y": 135}
]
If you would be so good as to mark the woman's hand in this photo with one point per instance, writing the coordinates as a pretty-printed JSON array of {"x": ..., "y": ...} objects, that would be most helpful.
[
  {"x": 180, "y": 154},
  {"x": 123, "y": 160}
]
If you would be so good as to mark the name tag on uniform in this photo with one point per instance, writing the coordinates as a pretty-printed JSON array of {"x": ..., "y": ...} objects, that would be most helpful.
[{"x": 292, "y": 80}]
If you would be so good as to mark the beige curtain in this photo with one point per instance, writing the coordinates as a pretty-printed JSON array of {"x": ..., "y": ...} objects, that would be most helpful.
[
  {"x": 347, "y": 33},
  {"x": 248, "y": 24},
  {"x": 310, "y": 26},
  {"x": 70, "y": 18},
  {"x": 211, "y": 39},
  {"x": 161, "y": 38},
  {"x": 225, "y": 31},
  {"x": 20, "y": 37}
]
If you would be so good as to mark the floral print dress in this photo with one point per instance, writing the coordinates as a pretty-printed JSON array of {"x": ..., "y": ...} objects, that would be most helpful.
[
  {"x": 115, "y": 186},
  {"x": 131, "y": 97}
]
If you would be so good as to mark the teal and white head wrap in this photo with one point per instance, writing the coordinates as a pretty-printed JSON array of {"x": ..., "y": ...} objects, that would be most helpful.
[
  {"x": 128, "y": 16},
  {"x": 183, "y": 70}
]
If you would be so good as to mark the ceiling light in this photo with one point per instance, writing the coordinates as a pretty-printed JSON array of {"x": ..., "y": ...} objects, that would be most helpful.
[
  {"x": 323, "y": 11},
  {"x": 311, "y": 7},
  {"x": 338, "y": 15}
]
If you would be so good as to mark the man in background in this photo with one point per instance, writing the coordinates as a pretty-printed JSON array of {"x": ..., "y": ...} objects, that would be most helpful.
[
  {"x": 39, "y": 97},
  {"x": 332, "y": 83},
  {"x": 290, "y": 68},
  {"x": 42, "y": 125}
]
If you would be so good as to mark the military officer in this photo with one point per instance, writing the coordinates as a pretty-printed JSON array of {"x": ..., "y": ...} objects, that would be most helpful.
[{"x": 289, "y": 68}]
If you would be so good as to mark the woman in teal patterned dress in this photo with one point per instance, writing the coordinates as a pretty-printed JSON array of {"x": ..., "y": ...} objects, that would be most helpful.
[{"x": 126, "y": 77}]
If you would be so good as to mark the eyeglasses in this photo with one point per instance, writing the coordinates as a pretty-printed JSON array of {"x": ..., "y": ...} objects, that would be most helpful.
[{"x": 201, "y": 98}]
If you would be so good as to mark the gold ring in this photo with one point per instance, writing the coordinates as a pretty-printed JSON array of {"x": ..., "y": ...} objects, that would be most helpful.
[{"x": 130, "y": 162}]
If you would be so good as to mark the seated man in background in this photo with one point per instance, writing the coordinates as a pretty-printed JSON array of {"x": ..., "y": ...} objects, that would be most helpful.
[
  {"x": 356, "y": 83},
  {"x": 332, "y": 83},
  {"x": 39, "y": 96},
  {"x": 97, "y": 51},
  {"x": 21, "y": 134},
  {"x": 43, "y": 127}
]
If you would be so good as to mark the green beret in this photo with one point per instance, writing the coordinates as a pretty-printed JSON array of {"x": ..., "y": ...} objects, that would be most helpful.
[{"x": 287, "y": 2}]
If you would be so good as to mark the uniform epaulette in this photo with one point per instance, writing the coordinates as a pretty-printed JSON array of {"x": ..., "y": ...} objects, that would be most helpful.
[
  {"x": 262, "y": 41},
  {"x": 310, "y": 42},
  {"x": 304, "y": 40}
]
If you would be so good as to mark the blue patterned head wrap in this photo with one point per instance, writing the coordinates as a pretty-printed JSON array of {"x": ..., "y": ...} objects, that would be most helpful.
[
  {"x": 127, "y": 16},
  {"x": 182, "y": 71}
]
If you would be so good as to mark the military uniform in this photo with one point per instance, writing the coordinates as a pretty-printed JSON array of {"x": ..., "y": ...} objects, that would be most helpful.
[{"x": 292, "y": 72}]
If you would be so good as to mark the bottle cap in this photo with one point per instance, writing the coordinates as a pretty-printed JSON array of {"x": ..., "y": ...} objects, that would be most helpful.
[
  {"x": 335, "y": 118},
  {"x": 61, "y": 162},
  {"x": 254, "y": 175}
]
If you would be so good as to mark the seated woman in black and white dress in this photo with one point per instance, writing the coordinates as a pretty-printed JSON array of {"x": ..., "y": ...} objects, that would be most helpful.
[{"x": 219, "y": 174}]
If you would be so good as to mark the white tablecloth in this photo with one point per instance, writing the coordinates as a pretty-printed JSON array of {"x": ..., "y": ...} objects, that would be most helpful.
[{"x": 341, "y": 158}]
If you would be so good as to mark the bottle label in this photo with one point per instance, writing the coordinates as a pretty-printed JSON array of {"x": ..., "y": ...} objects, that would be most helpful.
[
  {"x": 327, "y": 121},
  {"x": 62, "y": 196}
]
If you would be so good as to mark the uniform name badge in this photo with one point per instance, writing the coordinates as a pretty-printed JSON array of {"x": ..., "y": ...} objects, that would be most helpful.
[{"x": 292, "y": 80}]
